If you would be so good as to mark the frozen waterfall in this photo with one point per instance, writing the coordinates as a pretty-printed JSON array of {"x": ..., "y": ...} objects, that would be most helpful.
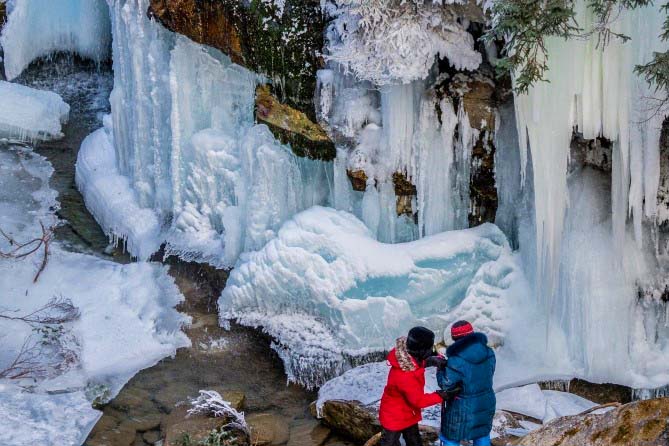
[{"x": 184, "y": 137}]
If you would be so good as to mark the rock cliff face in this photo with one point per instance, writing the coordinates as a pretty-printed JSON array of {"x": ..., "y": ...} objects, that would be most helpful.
[{"x": 281, "y": 43}]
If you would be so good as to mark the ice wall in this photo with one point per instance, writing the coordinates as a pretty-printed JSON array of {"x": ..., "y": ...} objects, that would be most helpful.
[
  {"x": 185, "y": 138},
  {"x": 37, "y": 28}
]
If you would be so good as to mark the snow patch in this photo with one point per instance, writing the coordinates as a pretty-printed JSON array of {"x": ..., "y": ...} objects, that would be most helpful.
[
  {"x": 127, "y": 318},
  {"x": 28, "y": 114}
]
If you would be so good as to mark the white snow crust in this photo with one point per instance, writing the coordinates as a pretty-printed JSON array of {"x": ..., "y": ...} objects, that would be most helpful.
[
  {"x": 393, "y": 41},
  {"x": 28, "y": 114},
  {"x": 127, "y": 318},
  {"x": 38, "y": 28}
]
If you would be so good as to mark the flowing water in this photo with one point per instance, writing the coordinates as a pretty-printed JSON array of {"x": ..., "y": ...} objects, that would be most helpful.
[{"x": 238, "y": 360}]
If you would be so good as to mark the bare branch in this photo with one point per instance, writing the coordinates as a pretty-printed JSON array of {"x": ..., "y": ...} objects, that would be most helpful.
[
  {"x": 24, "y": 249},
  {"x": 58, "y": 310}
]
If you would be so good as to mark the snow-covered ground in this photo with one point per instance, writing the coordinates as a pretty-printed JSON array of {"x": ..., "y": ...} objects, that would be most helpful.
[
  {"x": 126, "y": 322},
  {"x": 30, "y": 114}
]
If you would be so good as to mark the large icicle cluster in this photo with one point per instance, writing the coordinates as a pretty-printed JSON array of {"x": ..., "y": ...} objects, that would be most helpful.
[
  {"x": 184, "y": 137},
  {"x": 326, "y": 289},
  {"x": 38, "y": 28},
  {"x": 596, "y": 92},
  {"x": 588, "y": 261},
  {"x": 402, "y": 129},
  {"x": 390, "y": 41}
]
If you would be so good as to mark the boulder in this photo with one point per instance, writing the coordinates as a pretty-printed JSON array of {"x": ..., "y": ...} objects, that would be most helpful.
[
  {"x": 361, "y": 423},
  {"x": 291, "y": 126},
  {"x": 268, "y": 429},
  {"x": 641, "y": 423},
  {"x": 308, "y": 432}
]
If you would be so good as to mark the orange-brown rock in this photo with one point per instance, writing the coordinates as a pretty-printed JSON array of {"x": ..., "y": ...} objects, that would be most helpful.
[
  {"x": 477, "y": 93},
  {"x": 642, "y": 423},
  {"x": 205, "y": 22},
  {"x": 358, "y": 179},
  {"x": 293, "y": 127}
]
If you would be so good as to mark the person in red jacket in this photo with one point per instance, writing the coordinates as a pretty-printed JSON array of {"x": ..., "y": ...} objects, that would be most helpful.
[{"x": 404, "y": 395}]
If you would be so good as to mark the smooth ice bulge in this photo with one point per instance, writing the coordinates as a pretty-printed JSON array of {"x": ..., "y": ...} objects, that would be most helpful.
[{"x": 325, "y": 288}]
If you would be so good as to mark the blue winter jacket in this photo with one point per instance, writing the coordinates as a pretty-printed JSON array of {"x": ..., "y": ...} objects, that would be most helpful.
[{"x": 471, "y": 365}]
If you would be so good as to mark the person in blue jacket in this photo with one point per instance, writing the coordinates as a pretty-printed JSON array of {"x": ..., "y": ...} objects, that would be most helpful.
[{"x": 471, "y": 365}]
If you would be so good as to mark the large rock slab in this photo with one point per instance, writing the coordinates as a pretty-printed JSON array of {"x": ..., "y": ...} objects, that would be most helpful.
[
  {"x": 642, "y": 423},
  {"x": 361, "y": 423}
]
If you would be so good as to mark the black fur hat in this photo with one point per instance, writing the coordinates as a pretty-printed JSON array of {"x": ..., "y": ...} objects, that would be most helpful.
[{"x": 420, "y": 342}]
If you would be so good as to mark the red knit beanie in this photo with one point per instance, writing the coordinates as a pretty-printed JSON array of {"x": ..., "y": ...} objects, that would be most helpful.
[{"x": 460, "y": 329}]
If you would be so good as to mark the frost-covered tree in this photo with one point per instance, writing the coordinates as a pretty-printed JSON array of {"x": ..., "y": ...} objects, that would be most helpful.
[
  {"x": 396, "y": 41},
  {"x": 524, "y": 26}
]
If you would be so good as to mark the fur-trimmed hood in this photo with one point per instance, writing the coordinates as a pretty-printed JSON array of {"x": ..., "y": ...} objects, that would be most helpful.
[{"x": 400, "y": 358}]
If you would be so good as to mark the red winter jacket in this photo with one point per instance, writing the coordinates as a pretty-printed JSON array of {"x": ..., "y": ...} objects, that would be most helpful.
[{"x": 404, "y": 395}]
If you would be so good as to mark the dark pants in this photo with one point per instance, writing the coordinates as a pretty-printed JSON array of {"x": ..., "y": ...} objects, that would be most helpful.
[{"x": 392, "y": 438}]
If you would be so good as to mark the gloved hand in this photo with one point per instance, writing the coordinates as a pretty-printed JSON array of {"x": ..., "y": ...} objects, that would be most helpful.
[
  {"x": 449, "y": 395},
  {"x": 437, "y": 361}
]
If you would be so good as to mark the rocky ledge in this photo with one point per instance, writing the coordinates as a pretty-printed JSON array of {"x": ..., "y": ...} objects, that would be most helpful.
[{"x": 641, "y": 423}]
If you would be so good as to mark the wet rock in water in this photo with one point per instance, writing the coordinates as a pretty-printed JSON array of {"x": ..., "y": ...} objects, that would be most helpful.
[
  {"x": 308, "y": 431},
  {"x": 119, "y": 435},
  {"x": 175, "y": 392},
  {"x": 268, "y": 429},
  {"x": 291, "y": 126},
  {"x": 642, "y": 423}
]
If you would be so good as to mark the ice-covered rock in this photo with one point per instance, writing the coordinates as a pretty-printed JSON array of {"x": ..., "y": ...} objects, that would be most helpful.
[
  {"x": 543, "y": 405},
  {"x": 29, "y": 114},
  {"x": 110, "y": 198},
  {"x": 37, "y": 28},
  {"x": 325, "y": 288}
]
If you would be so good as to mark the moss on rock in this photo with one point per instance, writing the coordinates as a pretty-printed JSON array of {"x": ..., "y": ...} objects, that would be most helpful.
[{"x": 282, "y": 45}]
